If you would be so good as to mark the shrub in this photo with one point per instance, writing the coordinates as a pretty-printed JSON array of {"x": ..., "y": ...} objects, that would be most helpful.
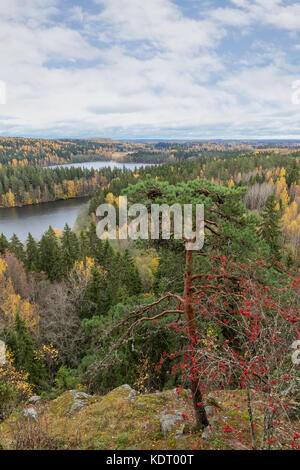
[{"x": 14, "y": 387}]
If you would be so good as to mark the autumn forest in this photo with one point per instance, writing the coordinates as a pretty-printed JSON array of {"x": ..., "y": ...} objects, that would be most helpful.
[{"x": 209, "y": 330}]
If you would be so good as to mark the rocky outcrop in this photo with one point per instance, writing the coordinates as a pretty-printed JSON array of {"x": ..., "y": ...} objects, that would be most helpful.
[
  {"x": 70, "y": 402},
  {"x": 169, "y": 421},
  {"x": 34, "y": 399},
  {"x": 30, "y": 413}
]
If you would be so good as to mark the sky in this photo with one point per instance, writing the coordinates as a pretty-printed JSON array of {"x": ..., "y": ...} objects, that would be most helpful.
[{"x": 166, "y": 69}]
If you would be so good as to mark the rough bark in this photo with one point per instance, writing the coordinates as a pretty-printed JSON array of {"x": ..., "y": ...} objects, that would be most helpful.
[{"x": 200, "y": 413}]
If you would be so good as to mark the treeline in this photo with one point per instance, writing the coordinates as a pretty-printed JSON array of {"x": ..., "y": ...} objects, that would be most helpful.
[
  {"x": 45, "y": 152},
  {"x": 263, "y": 174},
  {"x": 113, "y": 274},
  {"x": 32, "y": 185},
  {"x": 146, "y": 156},
  {"x": 221, "y": 169}
]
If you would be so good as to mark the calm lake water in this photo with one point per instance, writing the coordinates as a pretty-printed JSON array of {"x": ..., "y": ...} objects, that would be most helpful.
[
  {"x": 36, "y": 219},
  {"x": 99, "y": 165}
]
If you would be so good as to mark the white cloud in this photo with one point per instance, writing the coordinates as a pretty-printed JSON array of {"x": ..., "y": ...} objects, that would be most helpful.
[
  {"x": 154, "y": 71},
  {"x": 272, "y": 12},
  {"x": 158, "y": 21}
]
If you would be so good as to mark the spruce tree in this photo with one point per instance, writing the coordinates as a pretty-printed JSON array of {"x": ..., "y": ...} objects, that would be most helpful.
[
  {"x": 84, "y": 246},
  {"x": 32, "y": 261},
  {"x": 97, "y": 299},
  {"x": 16, "y": 247},
  {"x": 4, "y": 244},
  {"x": 50, "y": 255},
  {"x": 21, "y": 344},
  {"x": 270, "y": 226},
  {"x": 70, "y": 249}
]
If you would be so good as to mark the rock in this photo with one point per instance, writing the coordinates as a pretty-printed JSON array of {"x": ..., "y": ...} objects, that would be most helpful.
[
  {"x": 78, "y": 395},
  {"x": 124, "y": 387},
  {"x": 70, "y": 402},
  {"x": 210, "y": 400},
  {"x": 169, "y": 421},
  {"x": 182, "y": 393},
  {"x": 132, "y": 394},
  {"x": 183, "y": 429},
  {"x": 206, "y": 433},
  {"x": 154, "y": 399},
  {"x": 79, "y": 401},
  {"x": 78, "y": 405},
  {"x": 30, "y": 413},
  {"x": 210, "y": 411},
  {"x": 34, "y": 399},
  {"x": 141, "y": 403},
  {"x": 156, "y": 394}
]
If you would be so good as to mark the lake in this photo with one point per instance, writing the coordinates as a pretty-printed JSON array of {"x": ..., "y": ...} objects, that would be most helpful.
[
  {"x": 99, "y": 165},
  {"x": 36, "y": 219}
]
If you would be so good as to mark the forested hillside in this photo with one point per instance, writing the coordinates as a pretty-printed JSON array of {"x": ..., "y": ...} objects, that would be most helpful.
[
  {"x": 44, "y": 152},
  {"x": 32, "y": 185},
  {"x": 81, "y": 313}
]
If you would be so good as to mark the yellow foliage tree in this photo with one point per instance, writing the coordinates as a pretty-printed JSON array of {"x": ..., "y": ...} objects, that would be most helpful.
[
  {"x": 284, "y": 198},
  {"x": 12, "y": 303},
  {"x": 110, "y": 198}
]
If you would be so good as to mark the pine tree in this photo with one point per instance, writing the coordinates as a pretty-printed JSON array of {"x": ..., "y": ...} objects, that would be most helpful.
[
  {"x": 270, "y": 226},
  {"x": 229, "y": 234}
]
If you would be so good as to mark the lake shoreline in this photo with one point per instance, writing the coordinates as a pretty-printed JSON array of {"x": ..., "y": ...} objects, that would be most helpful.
[
  {"x": 97, "y": 166},
  {"x": 18, "y": 206},
  {"x": 36, "y": 218}
]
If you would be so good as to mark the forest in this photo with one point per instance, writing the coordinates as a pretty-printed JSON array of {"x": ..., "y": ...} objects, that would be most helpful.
[
  {"x": 45, "y": 152},
  {"x": 33, "y": 185},
  {"x": 81, "y": 313}
]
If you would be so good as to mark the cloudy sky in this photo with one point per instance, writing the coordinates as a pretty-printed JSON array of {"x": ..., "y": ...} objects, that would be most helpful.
[{"x": 150, "y": 68}]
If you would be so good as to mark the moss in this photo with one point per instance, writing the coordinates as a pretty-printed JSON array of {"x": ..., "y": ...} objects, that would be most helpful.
[
  {"x": 114, "y": 422},
  {"x": 62, "y": 405},
  {"x": 151, "y": 399}
]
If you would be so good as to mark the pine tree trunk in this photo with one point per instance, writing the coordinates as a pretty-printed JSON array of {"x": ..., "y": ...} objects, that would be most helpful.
[{"x": 200, "y": 413}]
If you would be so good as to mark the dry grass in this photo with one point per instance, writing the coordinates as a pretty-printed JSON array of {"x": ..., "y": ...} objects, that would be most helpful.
[{"x": 112, "y": 422}]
